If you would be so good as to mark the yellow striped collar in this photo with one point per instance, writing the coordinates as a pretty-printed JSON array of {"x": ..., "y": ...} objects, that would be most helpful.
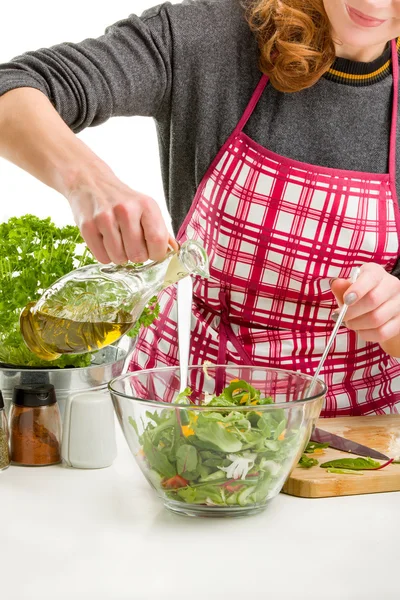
[{"x": 356, "y": 74}]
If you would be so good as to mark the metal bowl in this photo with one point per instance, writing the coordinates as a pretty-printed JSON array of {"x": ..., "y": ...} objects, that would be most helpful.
[{"x": 107, "y": 364}]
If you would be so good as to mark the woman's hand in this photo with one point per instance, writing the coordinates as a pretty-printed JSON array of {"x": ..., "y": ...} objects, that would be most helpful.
[
  {"x": 374, "y": 306},
  {"x": 117, "y": 223}
]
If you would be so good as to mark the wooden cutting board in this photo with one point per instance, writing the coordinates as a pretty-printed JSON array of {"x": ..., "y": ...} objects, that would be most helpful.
[{"x": 379, "y": 432}]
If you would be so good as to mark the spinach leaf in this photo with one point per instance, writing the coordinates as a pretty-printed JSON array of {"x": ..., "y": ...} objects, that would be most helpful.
[
  {"x": 344, "y": 471},
  {"x": 244, "y": 496},
  {"x": 263, "y": 488},
  {"x": 312, "y": 446},
  {"x": 241, "y": 392},
  {"x": 134, "y": 425},
  {"x": 183, "y": 397},
  {"x": 280, "y": 429},
  {"x": 215, "y": 476},
  {"x": 186, "y": 459},
  {"x": 273, "y": 445},
  {"x": 219, "y": 437},
  {"x": 157, "y": 459},
  {"x": 306, "y": 462},
  {"x": 220, "y": 401},
  {"x": 266, "y": 425},
  {"x": 232, "y": 417},
  {"x": 207, "y": 494},
  {"x": 158, "y": 432},
  {"x": 355, "y": 464}
]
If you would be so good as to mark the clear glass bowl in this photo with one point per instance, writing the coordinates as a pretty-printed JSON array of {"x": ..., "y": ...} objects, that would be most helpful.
[{"x": 216, "y": 461}]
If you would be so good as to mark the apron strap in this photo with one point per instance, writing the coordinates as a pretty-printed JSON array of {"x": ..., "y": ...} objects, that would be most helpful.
[
  {"x": 395, "y": 103},
  {"x": 252, "y": 104},
  {"x": 226, "y": 334}
]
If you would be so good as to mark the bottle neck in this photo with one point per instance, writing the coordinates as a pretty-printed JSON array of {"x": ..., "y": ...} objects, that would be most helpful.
[
  {"x": 190, "y": 259},
  {"x": 176, "y": 270}
]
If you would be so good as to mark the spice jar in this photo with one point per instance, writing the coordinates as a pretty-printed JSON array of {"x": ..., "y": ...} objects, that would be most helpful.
[
  {"x": 4, "y": 452},
  {"x": 35, "y": 426}
]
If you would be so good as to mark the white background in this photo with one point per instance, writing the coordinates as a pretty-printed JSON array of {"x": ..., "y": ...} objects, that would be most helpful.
[{"x": 27, "y": 25}]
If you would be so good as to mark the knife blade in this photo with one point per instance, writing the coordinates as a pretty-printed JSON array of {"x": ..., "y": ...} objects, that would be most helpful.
[{"x": 345, "y": 445}]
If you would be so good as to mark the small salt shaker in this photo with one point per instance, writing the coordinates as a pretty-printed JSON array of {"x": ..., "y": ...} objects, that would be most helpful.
[{"x": 89, "y": 440}]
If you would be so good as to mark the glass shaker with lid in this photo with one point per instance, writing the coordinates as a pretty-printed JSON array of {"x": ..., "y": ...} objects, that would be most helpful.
[
  {"x": 4, "y": 450},
  {"x": 35, "y": 426}
]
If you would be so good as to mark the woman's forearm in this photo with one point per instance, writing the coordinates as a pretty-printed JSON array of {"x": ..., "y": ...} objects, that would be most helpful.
[
  {"x": 117, "y": 223},
  {"x": 34, "y": 137}
]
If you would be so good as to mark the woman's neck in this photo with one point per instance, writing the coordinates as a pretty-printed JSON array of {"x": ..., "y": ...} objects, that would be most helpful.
[{"x": 365, "y": 55}]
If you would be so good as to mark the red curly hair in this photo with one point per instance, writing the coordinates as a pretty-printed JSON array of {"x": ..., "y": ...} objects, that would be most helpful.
[{"x": 295, "y": 42}]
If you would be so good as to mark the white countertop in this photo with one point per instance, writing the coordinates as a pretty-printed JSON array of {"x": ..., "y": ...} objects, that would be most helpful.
[{"x": 70, "y": 534}]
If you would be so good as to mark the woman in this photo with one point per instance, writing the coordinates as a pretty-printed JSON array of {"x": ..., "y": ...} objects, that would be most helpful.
[{"x": 280, "y": 119}]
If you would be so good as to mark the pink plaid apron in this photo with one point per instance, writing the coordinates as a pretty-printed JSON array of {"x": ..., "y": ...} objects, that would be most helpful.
[{"x": 277, "y": 231}]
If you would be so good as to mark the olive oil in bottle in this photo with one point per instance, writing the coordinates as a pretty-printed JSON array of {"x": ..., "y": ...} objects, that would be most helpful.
[
  {"x": 48, "y": 336},
  {"x": 96, "y": 305}
]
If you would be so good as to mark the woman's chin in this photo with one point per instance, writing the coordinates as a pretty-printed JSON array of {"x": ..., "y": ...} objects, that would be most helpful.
[{"x": 354, "y": 41}]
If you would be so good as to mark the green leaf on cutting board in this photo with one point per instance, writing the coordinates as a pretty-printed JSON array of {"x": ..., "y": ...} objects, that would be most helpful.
[
  {"x": 355, "y": 464},
  {"x": 344, "y": 471},
  {"x": 312, "y": 446},
  {"x": 306, "y": 462}
]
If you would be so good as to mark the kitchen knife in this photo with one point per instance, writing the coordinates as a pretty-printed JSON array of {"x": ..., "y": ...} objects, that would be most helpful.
[{"x": 340, "y": 443}]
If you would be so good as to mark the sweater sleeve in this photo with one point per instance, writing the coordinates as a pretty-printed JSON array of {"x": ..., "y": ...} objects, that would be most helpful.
[{"x": 125, "y": 72}]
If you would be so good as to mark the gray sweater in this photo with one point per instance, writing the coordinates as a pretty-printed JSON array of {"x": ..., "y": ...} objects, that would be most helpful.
[{"x": 193, "y": 68}]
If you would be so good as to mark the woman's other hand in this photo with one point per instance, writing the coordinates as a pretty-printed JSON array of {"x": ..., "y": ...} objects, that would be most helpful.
[{"x": 374, "y": 306}]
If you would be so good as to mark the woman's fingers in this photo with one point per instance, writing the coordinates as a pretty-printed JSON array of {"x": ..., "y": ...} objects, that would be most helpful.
[
  {"x": 389, "y": 330},
  {"x": 373, "y": 287},
  {"x": 370, "y": 277},
  {"x": 109, "y": 229},
  {"x": 155, "y": 232},
  {"x": 339, "y": 287},
  {"x": 172, "y": 243},
  {"x": 94, "y": 241},
  {"x": 376, "y": 318},
  {"x": 388, "y": 288},
  {"x": 128, "y": 217}
]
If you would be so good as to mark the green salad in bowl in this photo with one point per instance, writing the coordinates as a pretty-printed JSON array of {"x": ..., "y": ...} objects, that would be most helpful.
[{"x": 226, "y": 444}]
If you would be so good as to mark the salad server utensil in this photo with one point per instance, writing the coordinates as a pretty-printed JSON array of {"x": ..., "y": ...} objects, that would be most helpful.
[
  {"x": 338, "y": 323},
  {"x": 184, "y": 298},
  {"x": 340, "y": 443}
]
